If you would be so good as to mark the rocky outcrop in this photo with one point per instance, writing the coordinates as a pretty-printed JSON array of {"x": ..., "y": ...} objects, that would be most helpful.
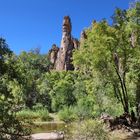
[
  {"x": 53, "y": 55},
  {"x": 83, "y": 36},
  {"x": 62, "y": 58},
  {"x": 65, "y": 53},
  {"x": 76, "y": 43}
]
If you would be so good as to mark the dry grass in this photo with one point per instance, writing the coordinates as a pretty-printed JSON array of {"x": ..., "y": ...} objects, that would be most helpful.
[{"x": 123, "y": 135}]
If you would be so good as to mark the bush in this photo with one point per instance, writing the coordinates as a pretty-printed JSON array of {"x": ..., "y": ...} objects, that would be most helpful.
[
  {"x": 27, "y": 114},
  {"x": 84, "y": 108},
  {"x": 113, "y": 108},
  {"x": 89, "y": 130},
  {"x": 67, "y": 114},
  {"x": 34, "y": 115},
  {"x": 38, "y": 106},
  {"x": 44, "y": 115}
]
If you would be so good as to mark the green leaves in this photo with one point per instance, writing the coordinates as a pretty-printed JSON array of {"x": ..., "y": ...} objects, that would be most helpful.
[{"x": 108, "y": 54}]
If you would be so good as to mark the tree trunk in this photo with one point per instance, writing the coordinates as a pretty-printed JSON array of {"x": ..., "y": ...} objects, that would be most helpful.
[
  {"x": 138, "y": 99},
  {"x": 124, "y": 93}
]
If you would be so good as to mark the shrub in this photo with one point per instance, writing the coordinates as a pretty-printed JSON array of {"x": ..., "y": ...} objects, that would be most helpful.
[
  {"x": 67, "y": 114},
  {"x": 113, "y": 108},
  {"x": 38, "y": 106},
  {"x": 89, "y": 130},
  {"x": 44, "y": 115},
  {"x": 27, "y": 114},
  {"x": 34, "y": 115},
  {"x": 84, "y": 108}
]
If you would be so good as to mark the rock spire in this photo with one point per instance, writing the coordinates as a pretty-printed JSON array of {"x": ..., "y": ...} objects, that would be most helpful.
[{"x": 61, "y": 58}]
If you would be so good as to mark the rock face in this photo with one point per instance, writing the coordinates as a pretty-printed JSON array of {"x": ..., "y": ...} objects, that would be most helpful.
[
  {"x": 53, "y": 55},
  {"x": 62, "y": 58},
  {"x": 83, "y": 36}
]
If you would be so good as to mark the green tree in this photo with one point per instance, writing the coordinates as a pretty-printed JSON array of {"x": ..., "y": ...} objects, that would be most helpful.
[
  {"x": 133, "y": 29},
  {"x": 59, "y": 86},
  {"x": 10, "y": 126},
  {"x": 32, "y": 65},
  {"x": 106, "y": 55},
  {"x": 4, "y": 50}
]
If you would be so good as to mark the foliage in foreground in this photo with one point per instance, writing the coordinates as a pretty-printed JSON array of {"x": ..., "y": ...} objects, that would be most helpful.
[
  {"x": 10, "y": 126},
  {"x": 89, "y": 130}
]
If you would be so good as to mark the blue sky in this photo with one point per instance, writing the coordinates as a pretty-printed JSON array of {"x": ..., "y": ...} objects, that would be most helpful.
[{"x": 27, "y": 24}]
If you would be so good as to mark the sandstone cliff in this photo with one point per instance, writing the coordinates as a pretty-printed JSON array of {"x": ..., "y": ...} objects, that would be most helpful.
[{"x": 61, "y": 58}]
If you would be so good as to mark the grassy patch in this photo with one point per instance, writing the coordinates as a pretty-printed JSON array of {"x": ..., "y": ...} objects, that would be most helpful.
[{"x": 34, "y": 115}]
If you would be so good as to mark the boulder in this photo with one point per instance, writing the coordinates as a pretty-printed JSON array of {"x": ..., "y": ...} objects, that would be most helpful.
[{"x": 48, "y": 136}]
